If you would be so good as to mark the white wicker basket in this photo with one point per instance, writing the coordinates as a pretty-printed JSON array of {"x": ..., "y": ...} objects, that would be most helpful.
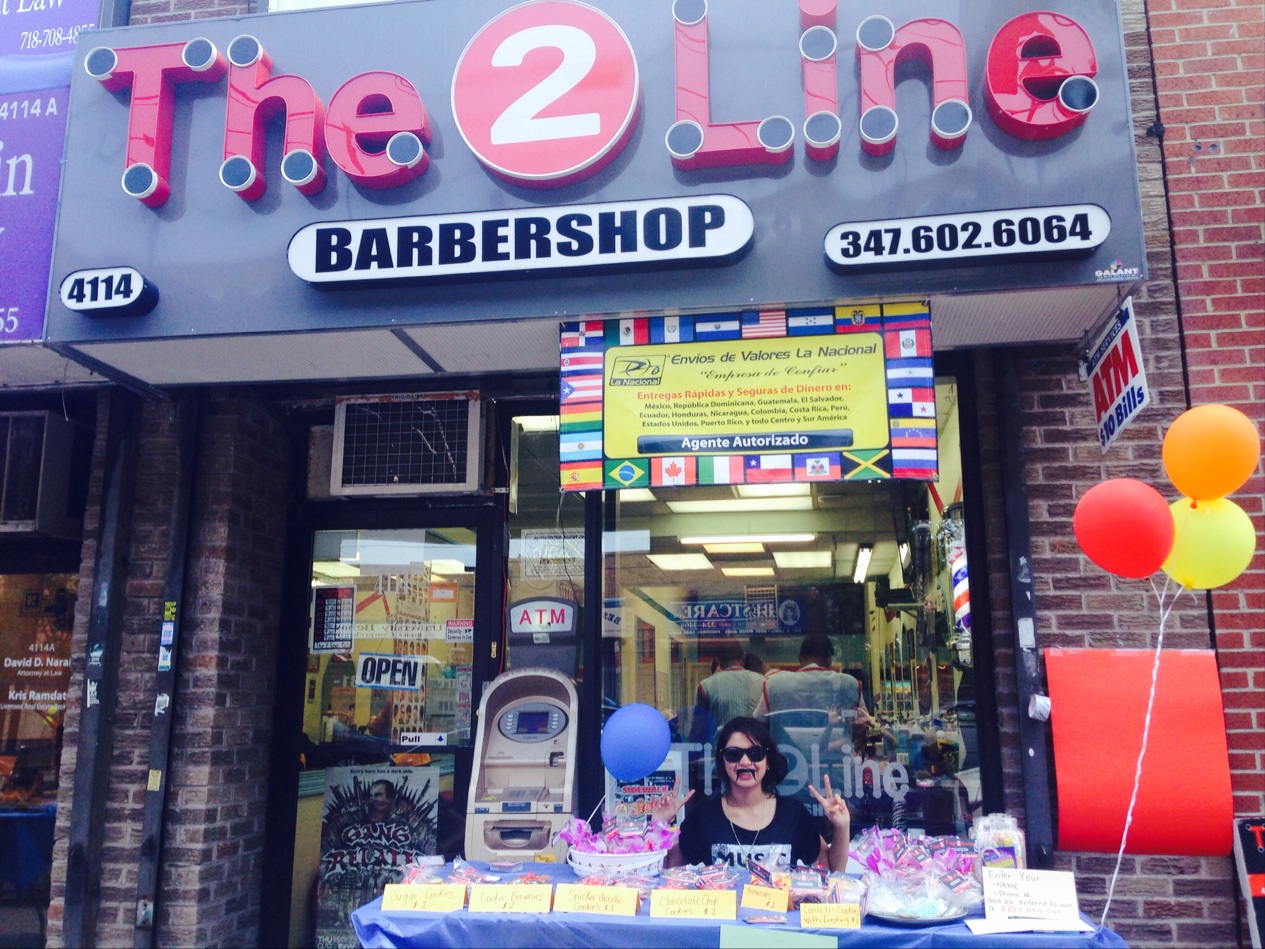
[{"x": 617, "y": 864}]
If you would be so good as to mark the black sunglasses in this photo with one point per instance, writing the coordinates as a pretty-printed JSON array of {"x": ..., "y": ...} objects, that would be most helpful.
[{"x": 733, "y": 754}]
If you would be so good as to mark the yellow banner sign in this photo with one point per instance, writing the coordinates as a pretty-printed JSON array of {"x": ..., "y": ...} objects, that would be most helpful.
[
  {"x": 423, "y": 897},
  {"x": 694, "y": 904},
  {"x": 746, "y": 396},
  {"x": 510, "y": 897},
  {"x": 830, "y": 915},
  {"x": 766, "y": 897},
  {"x": 609, "y": 900}
]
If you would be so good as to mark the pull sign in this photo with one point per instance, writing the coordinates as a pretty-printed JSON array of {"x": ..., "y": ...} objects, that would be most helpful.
[{"x": 109, "y": 291}]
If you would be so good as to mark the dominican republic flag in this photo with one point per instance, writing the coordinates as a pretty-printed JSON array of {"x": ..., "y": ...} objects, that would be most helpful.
[
  {"x": 910, "y": 372},
  {"x": 716, "y": 327},
  {"x": 670, "y": 471},
  {"x": 581, "y": 446},
  {"x": 911, "y": 403},
  {"x": 906, "y": 343},
  {"x": 763, "y": 323},
  {"x": 720, "y": 469},
  {"x": 858, "y": 319},
  {"x": 810, "y": 322},
  {"x": 586, "y": 334},
  {"x": 573, "y": 363},
  {"x": 671, "y": 329},
  {"x": 826, "y": 466},
  {"x": 581, "y": 388},
  {"x": 768, "y": 469}
]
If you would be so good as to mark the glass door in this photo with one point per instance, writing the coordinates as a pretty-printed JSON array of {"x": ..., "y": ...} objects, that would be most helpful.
[{"x": 399, "y": 620}]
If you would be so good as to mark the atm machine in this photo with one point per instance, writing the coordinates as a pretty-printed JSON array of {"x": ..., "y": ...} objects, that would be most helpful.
[{"x": 522, "y": 790}]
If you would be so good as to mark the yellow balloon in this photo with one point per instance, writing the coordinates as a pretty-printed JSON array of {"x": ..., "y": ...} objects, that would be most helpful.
[{"x": 1213, "y": 542}]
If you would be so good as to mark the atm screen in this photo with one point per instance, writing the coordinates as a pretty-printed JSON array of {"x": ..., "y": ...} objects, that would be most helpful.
[{"x": 532, "y": 723}]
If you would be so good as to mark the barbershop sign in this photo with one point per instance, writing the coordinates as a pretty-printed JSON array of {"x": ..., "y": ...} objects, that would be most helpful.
[{"x": 389, "y": 164}]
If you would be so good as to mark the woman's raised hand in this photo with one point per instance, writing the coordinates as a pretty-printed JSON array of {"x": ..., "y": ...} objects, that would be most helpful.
[{"x": 668, "y": 803}]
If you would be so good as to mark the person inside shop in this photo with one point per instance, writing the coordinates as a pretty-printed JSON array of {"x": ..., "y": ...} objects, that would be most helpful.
[
  {"x": 807, "y": 705},
  {"x": 755, "y": 662},
  {"x": 732, "y": 691},
  {"x": 749, "y": 820}
]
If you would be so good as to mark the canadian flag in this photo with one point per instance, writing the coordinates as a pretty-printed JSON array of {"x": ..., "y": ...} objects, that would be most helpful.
[{"x": 674, "y": 470}]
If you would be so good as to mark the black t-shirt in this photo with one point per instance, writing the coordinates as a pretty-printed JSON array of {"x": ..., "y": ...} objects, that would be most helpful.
[{"x": 708, "y": 836}]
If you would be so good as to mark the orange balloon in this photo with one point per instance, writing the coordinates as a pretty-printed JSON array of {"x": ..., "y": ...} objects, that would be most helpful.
[{"x": 1210, "y": 450}]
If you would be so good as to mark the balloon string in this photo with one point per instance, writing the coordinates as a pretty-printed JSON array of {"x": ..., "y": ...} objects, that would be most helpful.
[{"x": 1165, "y": 609}]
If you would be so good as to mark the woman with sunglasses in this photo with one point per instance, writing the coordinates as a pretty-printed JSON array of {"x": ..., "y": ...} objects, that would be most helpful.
[{"x": 748, "y": 820}]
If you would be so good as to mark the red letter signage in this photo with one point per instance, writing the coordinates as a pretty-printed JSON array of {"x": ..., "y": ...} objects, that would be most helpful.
[{"x": 1039, "y": 77}]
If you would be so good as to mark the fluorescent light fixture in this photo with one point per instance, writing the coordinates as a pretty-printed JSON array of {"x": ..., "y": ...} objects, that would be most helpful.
[
  {"x": 625, "y": 542},
  {"x": 747, "y": 571},
  {"x": 803, "y": 559},
  {"x": 447, "y": 567},
  {"x": 745, "y": 547},
  {"x": 773, "y": 490},
  {"x": 680, "y": 561},
  {"x": 537, "y": 423},
  {"x": 864, "y": 552},
  {"x": 740, "y": 505},
  {"x": 805, "y": 538},
  {"x": 335, "y": 568},
  {"x": 636, "y": 495}
]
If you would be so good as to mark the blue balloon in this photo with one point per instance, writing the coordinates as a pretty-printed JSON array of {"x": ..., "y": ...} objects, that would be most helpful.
[{"x": 635, "y": 741}]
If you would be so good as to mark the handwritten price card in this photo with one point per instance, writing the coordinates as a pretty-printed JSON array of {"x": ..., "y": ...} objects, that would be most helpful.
[
  {"x": 510, "y": 897},
  {"x": 766, "y": 897},
  {"x": 694, "y": 904},
  {"x": 830, "y": 915},
  {"x": 423, "y": 897},
  {"x": 611, "y": 900},
  {"x": 1030, "y": 894}
]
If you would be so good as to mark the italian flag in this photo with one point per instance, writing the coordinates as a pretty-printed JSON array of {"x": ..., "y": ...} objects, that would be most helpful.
[{"x": 720, "y": 469}]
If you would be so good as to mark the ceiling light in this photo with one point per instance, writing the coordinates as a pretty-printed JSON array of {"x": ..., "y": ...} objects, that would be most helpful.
[
  {"x": 803, "y": 559},
  {"x": 635, "y": 495},
  {"x": 904, "y": 554},
  {"x": 447, "y": 567},
  {"x": 743, "y": 548},
  {"x": 773, "y": 490},
  {"x": 335, "y": 568},
  {"x": 747, "y": 571},
  {"x": 805, "y": 538},
  {"x": 537, "y": 423},
  {"x": 740, "y": 505},
  {"x": 680, "y": 561},
  {"x": 864, "y": 552}
]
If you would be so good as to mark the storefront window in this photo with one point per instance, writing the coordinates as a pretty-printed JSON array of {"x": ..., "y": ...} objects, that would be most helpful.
[
  {"x": 864, "y": 579},
  {"x": 36, "y": 615}
]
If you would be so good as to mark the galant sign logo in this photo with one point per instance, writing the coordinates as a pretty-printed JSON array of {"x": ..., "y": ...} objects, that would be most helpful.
[{"x": 548, "y": 93}]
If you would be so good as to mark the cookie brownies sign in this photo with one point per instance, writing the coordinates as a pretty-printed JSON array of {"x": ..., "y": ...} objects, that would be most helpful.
[{"x": 548, "y": 93}]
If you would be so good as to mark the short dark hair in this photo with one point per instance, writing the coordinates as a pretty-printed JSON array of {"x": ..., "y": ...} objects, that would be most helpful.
[
  {"x": 817, "y": 646},
  {"x": 757, "y": 733}
]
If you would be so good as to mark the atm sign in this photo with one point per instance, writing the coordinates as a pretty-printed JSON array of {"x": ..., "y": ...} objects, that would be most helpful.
[{"x": 1117, "y": 376}]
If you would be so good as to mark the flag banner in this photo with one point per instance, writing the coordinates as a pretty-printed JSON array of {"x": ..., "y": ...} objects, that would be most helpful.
[
  {"x": 769, "y": 396},
  {"x": 763, "y": 323}
]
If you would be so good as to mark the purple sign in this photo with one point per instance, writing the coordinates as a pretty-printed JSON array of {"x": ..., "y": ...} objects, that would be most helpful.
[
  {"x": 44, "y": 26},
  {"x": 32, "y": 130}
]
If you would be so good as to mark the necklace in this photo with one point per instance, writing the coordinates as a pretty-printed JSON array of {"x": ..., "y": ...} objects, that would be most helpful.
[{"x": 734, "y": 830}]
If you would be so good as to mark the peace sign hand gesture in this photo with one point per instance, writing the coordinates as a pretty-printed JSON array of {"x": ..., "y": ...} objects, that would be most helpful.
[{"x": 668, "y": 803}]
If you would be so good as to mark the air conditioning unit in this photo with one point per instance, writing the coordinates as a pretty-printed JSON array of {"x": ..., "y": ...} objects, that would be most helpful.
[
  {"x": 407, "y": 444},
  {"x": 36, "y": 450}
]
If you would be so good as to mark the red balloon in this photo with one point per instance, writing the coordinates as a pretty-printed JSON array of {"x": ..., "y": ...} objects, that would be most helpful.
[{"x": 1125, "y": 527}]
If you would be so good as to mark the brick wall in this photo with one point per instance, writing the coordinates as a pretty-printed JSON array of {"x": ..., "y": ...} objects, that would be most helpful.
[
  {"x": 211, "y": 885},
  {"x": 1201, "y": 321}
]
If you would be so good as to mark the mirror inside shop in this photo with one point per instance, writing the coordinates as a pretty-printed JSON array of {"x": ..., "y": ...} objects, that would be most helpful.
[{"x": 866, "y": 579}]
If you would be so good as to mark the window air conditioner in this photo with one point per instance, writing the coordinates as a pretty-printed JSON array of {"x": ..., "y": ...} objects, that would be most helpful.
[
  {"x": 36, "y": 450},
  {"x": 406, "y": 444}
]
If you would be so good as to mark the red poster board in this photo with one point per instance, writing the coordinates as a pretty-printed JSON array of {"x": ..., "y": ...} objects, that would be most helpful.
[{"x": 1098, "y": 706}]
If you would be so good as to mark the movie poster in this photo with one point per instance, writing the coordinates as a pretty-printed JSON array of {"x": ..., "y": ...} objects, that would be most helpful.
[{"x": 376, "y": 819}]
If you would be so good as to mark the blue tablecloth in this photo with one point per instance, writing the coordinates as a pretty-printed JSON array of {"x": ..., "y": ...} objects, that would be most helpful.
[
  {"x": 583, "y": 930},
  {"x": 26, "y": 844}
]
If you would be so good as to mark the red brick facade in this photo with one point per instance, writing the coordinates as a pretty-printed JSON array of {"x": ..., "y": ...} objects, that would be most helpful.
[{"x": 1198, "y": 68}]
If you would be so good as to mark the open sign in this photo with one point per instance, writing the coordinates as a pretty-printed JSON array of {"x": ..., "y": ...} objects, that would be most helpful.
[{"x": 376, "y": 671}]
